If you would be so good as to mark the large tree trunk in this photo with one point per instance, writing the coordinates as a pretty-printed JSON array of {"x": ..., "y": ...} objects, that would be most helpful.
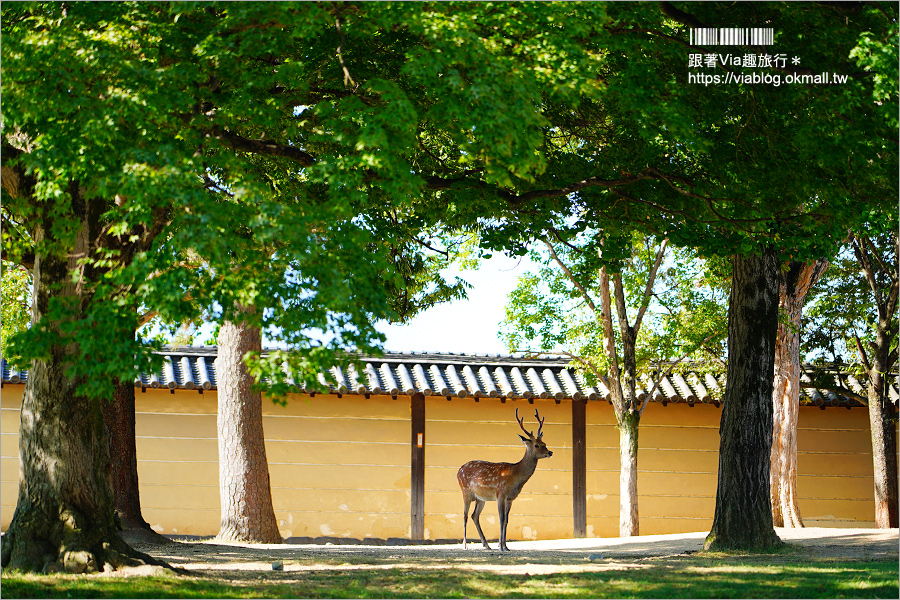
[
  {"x": 795, "y": 284},
  {"x": 64, "y": 517},
  {"x": 743, "y": 515},
  {"x": 119, "y": 416},
  {"x": 247, "y": 513},
  {"x": 629, "y": 523},
  {"x": 882, "y": 421}
]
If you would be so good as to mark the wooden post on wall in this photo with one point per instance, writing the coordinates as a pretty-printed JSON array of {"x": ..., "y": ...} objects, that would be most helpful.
[
  {"x": 417, "y": 486},
  {"x": 579, "y": 468}
]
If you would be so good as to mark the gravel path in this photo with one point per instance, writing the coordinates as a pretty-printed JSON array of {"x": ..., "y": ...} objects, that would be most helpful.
[{"x": 277, "y": 561}]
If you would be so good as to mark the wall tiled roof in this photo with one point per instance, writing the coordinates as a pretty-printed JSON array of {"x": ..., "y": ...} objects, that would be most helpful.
[{"x": 479, "y": 376}]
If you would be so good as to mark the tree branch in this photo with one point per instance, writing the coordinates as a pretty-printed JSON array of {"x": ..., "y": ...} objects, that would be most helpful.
[
  {"x": 146, "y": 317},
  {"x": 651, "y": 278},
  {"x": 678, "y": 15},
  {"x": 672, "y": 367},
  {"x": 348, "y": 79},
  {"x": 873, "y": 252},
  {"x": 574, "y": 281},
  {"x": 517, "y": 200},
  {"x": 862, "y": 257},
  {"x": 862, "y": 353},
  {"x": 429, "y": 246},
  {"x": 622, "y": 308},
  {"x": 615, "y": 384},
  {"x": 264, "y": 147}
]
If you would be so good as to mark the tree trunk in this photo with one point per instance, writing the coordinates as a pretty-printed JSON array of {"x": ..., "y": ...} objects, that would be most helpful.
[
  {"x": 64, "y": 517},
  {"x": 247, "y": 513},
  {"x": 628, "y": 449},
  {"x": 120, "y": 423},
  {"x": 794, "y": 286},
  {"x": 743, "y": 515},
  {"x": 882, "y": 420},
  {"x": 882, "y": 414},
  {"x": 119, "y": 417},
  {"x": 623, "y": 399}
]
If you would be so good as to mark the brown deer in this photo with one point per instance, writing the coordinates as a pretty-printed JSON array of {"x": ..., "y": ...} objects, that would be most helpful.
[{"x": 482, "y": 481}]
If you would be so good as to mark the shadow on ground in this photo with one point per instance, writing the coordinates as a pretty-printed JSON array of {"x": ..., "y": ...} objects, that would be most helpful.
[{"x": 238, "y": 561}]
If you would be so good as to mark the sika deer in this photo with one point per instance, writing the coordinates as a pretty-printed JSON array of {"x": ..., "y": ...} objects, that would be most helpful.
[{"x": 482, "y": 481}]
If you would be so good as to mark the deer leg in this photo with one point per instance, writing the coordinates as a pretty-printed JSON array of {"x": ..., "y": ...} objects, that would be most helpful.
[
  {"x": 467, "y": 500},
  {"x": 503, "y": 507},
  {"x": 479, "y": 506},
  {"x": 506, "y": 520}
]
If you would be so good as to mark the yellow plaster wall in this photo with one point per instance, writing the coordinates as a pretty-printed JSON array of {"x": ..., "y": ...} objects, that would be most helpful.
[
  {"x": 10, "y": 402},
  {"x": 677, "y": 464},
  {"x": 178, "y": 461},
  {"x": 340, "y": 466},
  {"x": 337, "y": 466},
  {"x": 835, "y": 478}
]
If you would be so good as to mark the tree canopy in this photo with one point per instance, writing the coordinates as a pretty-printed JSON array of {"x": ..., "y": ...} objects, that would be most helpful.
[
  {"x": 291, "y": 139},
  {"x": 290, "y": 155}
]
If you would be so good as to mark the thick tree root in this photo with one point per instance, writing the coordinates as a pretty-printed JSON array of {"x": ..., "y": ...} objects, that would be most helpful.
[
  {"x": 759, "y": 543},
  {"x": 140, "y": 535},
  {"x": 75, "y": 554}
]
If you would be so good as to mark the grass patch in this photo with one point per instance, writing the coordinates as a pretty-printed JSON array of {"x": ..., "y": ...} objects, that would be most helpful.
[{"x": 688, "y": 577}]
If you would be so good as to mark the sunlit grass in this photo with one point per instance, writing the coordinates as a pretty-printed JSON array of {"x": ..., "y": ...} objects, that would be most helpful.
[{"x": 687, "y": 577}]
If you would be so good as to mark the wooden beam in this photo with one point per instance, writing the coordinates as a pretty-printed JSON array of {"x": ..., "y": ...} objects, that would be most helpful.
[
  {"x": 417, "y": 485},
  {"x": 579, "y": 468}
]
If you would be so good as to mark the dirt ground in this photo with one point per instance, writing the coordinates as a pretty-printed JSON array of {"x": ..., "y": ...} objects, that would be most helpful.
[{"x": 236, "y": 562}]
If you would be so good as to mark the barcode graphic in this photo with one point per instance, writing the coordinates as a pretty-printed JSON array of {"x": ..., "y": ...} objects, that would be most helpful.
[{"x": 733, "y": 36}]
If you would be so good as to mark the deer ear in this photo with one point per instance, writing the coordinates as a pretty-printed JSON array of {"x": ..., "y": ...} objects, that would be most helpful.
[{"x": 524, "y": 439}]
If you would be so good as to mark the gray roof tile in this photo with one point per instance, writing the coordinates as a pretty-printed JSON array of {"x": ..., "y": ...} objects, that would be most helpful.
[{"x": 481, "y": 376}]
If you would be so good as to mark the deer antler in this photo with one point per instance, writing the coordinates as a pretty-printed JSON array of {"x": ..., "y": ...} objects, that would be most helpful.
[
  {"x": 522, "y": 425},
  {"x": 540, "y": 422}
]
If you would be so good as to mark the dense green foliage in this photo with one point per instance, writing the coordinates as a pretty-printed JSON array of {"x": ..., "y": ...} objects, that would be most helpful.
[
  {"x": 842, "y": 307},
  {"x": 725, "y": 168},
  {"x": 549, "y": 309},
  {"x": 290, "y": 140},
  {"x": 15, "y": 303},
  {"x": 317, "y": 144}
]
